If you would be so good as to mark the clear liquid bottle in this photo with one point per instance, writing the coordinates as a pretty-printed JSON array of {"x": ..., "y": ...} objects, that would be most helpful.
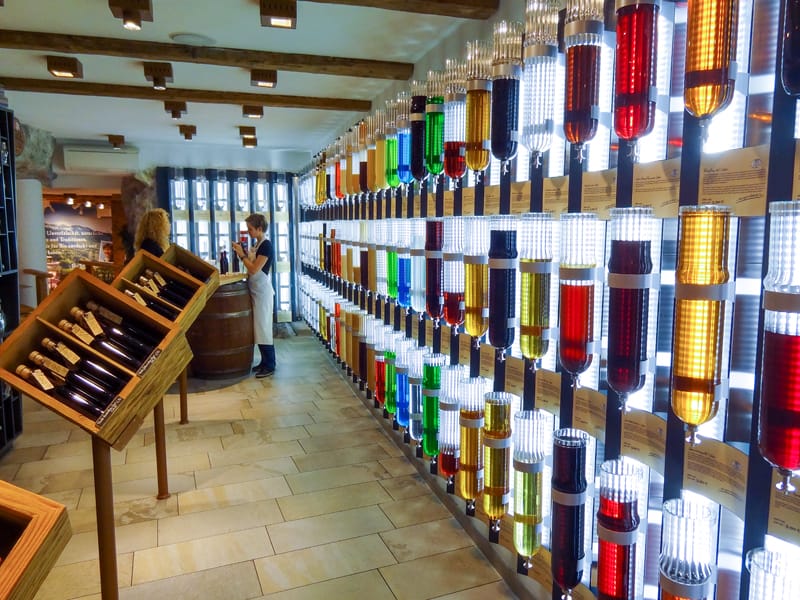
[
  {"x": 687, "y": 565},
  {"x": 412, "y": 420},
  {"x": 418, "y": 272}
]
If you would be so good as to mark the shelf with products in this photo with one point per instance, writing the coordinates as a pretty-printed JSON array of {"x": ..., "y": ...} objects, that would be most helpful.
[
  {"x": 193, "y": 266},
  {"x": 33, "y": 532},
  {"x": 85, "y": 330}
]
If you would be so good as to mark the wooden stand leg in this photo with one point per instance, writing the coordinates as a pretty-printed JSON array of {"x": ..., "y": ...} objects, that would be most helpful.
[
  {"x": 161, "y": 450},
  {"x": 104, "y": 507},
  {"x": 183, "y": 383}
]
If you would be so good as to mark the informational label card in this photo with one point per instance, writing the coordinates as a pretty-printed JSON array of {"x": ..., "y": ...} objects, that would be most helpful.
[
  {"x": 491, "y": 200},
  {"x": 589, "y": 412},
  {"x": 718, "y": 471},
  {"x": 548, "y": 391},
  {"x": 736, "y": 178},
  {"x": 520, "y": 197},
  {"x": 487, "y": 361},
  {"x": 657, "y": 184},
  {"x": 515, "y": 375},
  {"x": 448, "y": 204},
  {"x": 428, "y": 333},
  {"x": 464, "y": 345},
  {"x": 784, "y": 513},
  {"x": 468, "y": 201},
  {"x": 556, "y": 191},
  {"x": 599, "y": 192},
  {"x": 644, "y": 437}
]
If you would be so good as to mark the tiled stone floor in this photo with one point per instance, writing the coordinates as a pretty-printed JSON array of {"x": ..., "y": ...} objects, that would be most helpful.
[{"x": 285, "y": 487}]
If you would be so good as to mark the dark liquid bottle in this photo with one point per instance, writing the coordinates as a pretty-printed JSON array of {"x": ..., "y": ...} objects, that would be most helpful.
[
  {"x": 163, "y": 293},
  {"x": 362, "y": 176},
  {"x": 637, "y": 39},
  {"x": 455, "y": 161},
  {"x": 790, "y": 55},
  {"x": 135, "y": 330},
  {"x": 224, "y": 266},
  {"x": 418, "y": 170},
  {"x": 63, "y": 393},
  {"x": 77, "y": 380},
  {"x": 505, "y": 116},
  {"x": 105, "y": 376},
  {"x": 117, "y": 335},
  {"x": 106, "y": 347},
  {"x": 156, "y": 307},
  {"x": 569, "y": 480},
  {"x": 502, "y": 287},
  {"x": 434, "y": 268},
  {"x": 577, "y": 327},
  {"x": 628, "y": 315},
  {"x": 365, "y": 269},
  {"x": 181, "y": 289},
  {"x": 581, "y": 110}
]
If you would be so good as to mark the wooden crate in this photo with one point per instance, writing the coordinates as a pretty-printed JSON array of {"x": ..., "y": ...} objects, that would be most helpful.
[
  {"x": 197, "y": 267},
  {"x": 144, "y": 388},
  {"x": 129, "y": 276},
  {"x": 33, "y": 532}
]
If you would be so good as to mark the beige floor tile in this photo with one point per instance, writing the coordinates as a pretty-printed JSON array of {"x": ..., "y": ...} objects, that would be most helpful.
[
  {"x": 134, "y": 511},
  {"x": 332, "y": 500},
  {"x": 81, "y": 579},
  {"x": 407, "y": 486},
  {"x": 433, "y": 575},
  {"x": 363, "y": 585},
  {"x": 175, "y": 464},
  {"x": 336, "y": 477},
  {"x": 44, "y": 438},
  {"x": 260, "y": 438},
  {"x": 262, "y": 469},
  {"x": 247, "y": 426},
  {"x": 391, "y": 448},
  {"x": 230, "y": 582},
  {"x": 140, "y": 489},
  {"x": 337, "y": 440},
  {"x": 358, "y": 424},
  {"x": 330, "y": 561},
  {"x": 276, "y": 409},
  {"x": 254, "y": 454},
  {"x": 338, "y": 458},
  {"x": 340, "y": 414},
  {"x": 69, "y": 498},
  {"x": 191, "y": 526},
  {"x": 411, "y": 511},
  {"x": 57, "y": 482},
  {"x": 416, "y": 541},
  {"x": 304, "y": 533},
  {"x": 498, "y": 590},
  {"x": 83, "y": 546},
  {"x": 18, "y": 456},
  {"x": 61, "y": 465},
  {"x": 194, "y": 430},
  {"x": 201, "y": 554},
  {"x": 398, "y": 466},
  {"x": 232, "y": 494},
  {"x": 175, "y": 449},
  {"x": 8, "y": 471}
]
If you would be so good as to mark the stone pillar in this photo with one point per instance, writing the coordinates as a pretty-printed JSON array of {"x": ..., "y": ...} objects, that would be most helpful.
[{"x": 30, "y": 237}]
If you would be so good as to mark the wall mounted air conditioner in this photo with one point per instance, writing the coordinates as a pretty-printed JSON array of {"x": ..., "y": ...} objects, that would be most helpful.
[{"x": 98, "y": 159}]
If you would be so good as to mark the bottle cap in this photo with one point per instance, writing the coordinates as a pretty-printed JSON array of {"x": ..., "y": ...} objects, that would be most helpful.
[
  {"x": 23, "y": 371},
  {"x": 65, "y": 325},
  {"x": 76, "y": 312},
  {"x": 48, "y": 343},
  {"x": 36, "y": 357}
]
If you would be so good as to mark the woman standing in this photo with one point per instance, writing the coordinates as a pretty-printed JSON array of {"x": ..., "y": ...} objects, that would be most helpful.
[
  {"x": 152, "y": 233},
  {"x": 258, "y": 262}
]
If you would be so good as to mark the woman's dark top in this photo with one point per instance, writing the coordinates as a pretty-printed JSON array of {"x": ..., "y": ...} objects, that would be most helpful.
[
  {"x": 152, "y": 247},
  {"x": 265, "y": 249}
]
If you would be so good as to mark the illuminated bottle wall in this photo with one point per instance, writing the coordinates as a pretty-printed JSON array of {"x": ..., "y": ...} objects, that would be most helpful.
[
  {"x": 532, "y": 433},
  {"x": 506, "y": 75},
  {"x": 453, "y": 257},
  {"x": 434, "y": 123},
  {"x": 536, "y": 267},
  {"x": 479, "y": 101},
  {"x": 476, "y": 276},
  {"x": 449, "y": 434},
  {"x": 455, "y": 119},
  {"x": 417, "y": 122}
]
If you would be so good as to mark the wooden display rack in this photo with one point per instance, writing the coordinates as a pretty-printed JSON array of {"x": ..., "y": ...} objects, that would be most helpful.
[
  {"x": 204, "y": 279},
  {"x": 142, "y": 393},
  {"x": 33, "y": 532}
]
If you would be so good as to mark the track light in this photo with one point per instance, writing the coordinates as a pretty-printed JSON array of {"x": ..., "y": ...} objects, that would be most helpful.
[
  {"x": 267, "y": 78},
  {"x": 132, "y": 12},
  {"x": 252, "y": 111},
  {"x": 70, "y": 200},
  {"x": 249, "y": 142},
  {"x": 279, "y": 13},
  {"x": 65, "y": 66}
]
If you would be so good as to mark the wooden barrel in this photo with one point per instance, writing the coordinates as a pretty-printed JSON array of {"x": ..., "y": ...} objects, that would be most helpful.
[{"x": 222, "y": 336}]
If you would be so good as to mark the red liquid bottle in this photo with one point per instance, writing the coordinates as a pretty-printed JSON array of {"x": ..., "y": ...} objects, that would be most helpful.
[
  {"x": 629, "y": 298},
  {"x": 635, "y": 91},
  {"x": 434, "y": 269},
  {"x": 454, "y": 308},
  {"x": 617, "y": 530},
  {"x": 568, "y": 508},
  {"x": 455, "y": 162}
]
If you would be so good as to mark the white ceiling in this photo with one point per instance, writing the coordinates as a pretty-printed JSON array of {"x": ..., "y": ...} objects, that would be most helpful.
[{"x": 287, "y": 138}]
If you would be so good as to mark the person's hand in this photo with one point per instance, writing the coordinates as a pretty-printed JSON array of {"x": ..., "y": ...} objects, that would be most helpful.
[{"x": 237, "y": 248}]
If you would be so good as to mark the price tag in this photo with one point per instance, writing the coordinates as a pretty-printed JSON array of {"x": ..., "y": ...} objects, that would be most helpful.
[
  {"x": 784, "y": 513},
  {"x": 599, "y": 192},
  {"x": 589, "y": 412},
  {"x": 656, "y": 184},
  {"x": 737, "y": 178},
  {"x": 548, "y": 391},
  {"x": 67, "y": 354},
  {"x": 515, "y": 375},
  {"x": 644, "y": 437},
  {"x": 556, "y": 191},
  {"x": 159, "y": 279},
  {"x": 717, "y": 471},
  {"x": 429, "y": 333}
]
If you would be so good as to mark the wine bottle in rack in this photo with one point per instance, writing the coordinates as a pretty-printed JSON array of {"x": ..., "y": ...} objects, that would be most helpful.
[
  {"x": 164, "y": 311},
  {"x": 111, "y": 380},
  {"x": 176, "y": 286},
  {"x": 75, "y": 379},
  {"x": 163, "y": 293},
  {"x": 62, "y": 393},
  {"x": 136, "y": 347},
  {"x": 107, "y": 316},
  {"x": 102, "y": 345}
]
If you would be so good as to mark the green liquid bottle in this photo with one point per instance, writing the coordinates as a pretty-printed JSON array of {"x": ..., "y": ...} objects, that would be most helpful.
[
  {"x": 431, "y": 384},
  {"x": 391, "y": 271},
  {"x": 434, "y": 123},
  {"x": 392, "y": 178},
  {"x": 390, "y": 393}
]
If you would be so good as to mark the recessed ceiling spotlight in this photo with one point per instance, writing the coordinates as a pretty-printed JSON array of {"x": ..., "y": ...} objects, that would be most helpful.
[
  {"x": 88, "y": 204},
  {"x": 132, "y": 12},
  {"x": 279, "y": 13},
  {"x": 249, "y": 142},
  {"x": 70, "y": 200},
  {"x": 252, "y": 111},
  {"x": 65, "y": 66},
  {"x": 267, "y": 78},
  {"x": 101, "y": 206},
  {"x": 247, "y": 131}
]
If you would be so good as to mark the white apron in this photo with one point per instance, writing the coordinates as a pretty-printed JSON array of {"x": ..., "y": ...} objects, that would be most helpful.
[{"x": 260, "y": 286}]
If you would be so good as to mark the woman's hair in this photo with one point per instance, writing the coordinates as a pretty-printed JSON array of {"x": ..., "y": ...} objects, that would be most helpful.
[
  {"x": 154, "y": 226},
  {"x": 257, "y": 221}
]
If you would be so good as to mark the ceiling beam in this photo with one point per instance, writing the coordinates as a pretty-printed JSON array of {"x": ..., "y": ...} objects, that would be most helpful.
[
  {"x": 207, "y": 55},
  {"x": 465, "y": 9},
  {"x": 48, "y": 86}
]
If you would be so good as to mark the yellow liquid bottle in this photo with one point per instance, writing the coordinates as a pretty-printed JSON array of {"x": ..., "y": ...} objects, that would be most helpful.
[
  {"x": 528, "y": 514},
  {"x": 479, "y": 104},
  {"x": 380, "y": 162},
  {"x": 710, "y": 75},
  {"x": 469, "y": 479},
  {"x": 321, "y": 251},
  {"x": 497, "y": 455},
  {"x": 699, "y": 323},
  {"x": 476, "y": 296},
  {"x": 534, "y": 311}
]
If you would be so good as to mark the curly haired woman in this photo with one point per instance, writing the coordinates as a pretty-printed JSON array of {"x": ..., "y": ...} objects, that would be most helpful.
[{"x": 153, "y": 231}]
